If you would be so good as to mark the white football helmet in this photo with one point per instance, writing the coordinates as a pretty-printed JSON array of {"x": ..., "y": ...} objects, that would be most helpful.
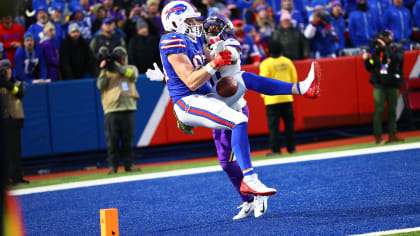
[{"x": 174, "y": 15}]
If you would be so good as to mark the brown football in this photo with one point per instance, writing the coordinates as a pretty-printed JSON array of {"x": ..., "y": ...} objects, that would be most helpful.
[{"x": 226, "y": 86}]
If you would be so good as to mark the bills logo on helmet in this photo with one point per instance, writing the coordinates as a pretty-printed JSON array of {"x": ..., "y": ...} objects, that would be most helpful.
[{"x": 177, "y": 9}]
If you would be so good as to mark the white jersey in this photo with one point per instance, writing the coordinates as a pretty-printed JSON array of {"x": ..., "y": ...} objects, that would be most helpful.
[{"x": 236, "y": 101}]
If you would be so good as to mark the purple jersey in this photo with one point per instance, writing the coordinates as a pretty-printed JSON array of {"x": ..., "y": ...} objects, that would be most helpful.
[{"x": 176, "y": 43}]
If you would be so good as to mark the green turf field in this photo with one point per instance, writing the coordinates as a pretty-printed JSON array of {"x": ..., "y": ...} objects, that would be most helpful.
[{"x": 147, "y": 170}]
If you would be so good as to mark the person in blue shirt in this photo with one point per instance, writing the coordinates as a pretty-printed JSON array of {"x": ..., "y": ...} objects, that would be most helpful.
[
  {"x": 83, "y": 22},
  {"x": 397, "y": 19},
  {"x": 250, "y": 54},
  {"x": 321, "y": 35},
  {"x": 299, "y": 18},
  {"x": 42, "y": 19},
  {"x": 386, "y": 3},
  {"x": 377, "y": 11},
  {"x": 41, "y": 15},
  {"x": 29, "y": 59},
  {"x": 339, "y": 25},
  {"x": 362, "y": 25},
  {"x": 416, "y": 14}
]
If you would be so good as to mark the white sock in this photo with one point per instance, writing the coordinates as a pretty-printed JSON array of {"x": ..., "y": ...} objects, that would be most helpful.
[{"x": 304, "y": 85}]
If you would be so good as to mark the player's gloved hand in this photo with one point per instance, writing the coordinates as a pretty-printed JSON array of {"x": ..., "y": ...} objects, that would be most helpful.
[
  {"x": 223, "y": 58},
  {"x": 155, "y": 74},
  {"x": 217, "y": 47}
]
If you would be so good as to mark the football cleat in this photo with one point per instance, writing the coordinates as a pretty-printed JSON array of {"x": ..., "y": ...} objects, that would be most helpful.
[
  {"x": 252, "y": 185},
  {"x": 260, "y": 203},
  {"x": 314, "y": 75},
  {"x": 247, "y": 208}
]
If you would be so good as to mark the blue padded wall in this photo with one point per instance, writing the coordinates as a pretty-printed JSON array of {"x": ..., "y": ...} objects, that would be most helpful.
[
  {"x": 73, "y": 116},
  {"x": 100, "y": 115},
  {"x": 150, "y": 92},
  {"x": 36, "y": 130}
]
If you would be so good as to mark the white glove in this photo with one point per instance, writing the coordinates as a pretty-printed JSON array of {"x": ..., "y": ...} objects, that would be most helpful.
[
  {"x": 156, "y": 74},
  {"x": 217, "y": 47}
]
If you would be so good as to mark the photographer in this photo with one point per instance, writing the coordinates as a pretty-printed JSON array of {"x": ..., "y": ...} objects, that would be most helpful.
[
  {"x": 386, "y": 74},
  {"x": 119, "y": 100},
  {"x": 321, "y": 36},
  {"x": 11, "y": 93}
]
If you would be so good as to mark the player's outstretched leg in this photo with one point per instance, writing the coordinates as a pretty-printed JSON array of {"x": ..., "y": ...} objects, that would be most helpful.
[
  {"x": 260, "y": 203},
  {"x": 240, "y": 145},
  {"x": 310, "y": 88},
  {"x": 268, "y": 86}
]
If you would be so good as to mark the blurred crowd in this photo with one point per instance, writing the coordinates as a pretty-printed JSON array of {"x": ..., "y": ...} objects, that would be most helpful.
[{"x": 49, "y": 40}]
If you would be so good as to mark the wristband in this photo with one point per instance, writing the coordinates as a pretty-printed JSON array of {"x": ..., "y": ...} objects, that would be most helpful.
[
  {"x": 15, "y": 90},
  {"x": 128, "y": 73},
  {"x": 210, "y": 69}
]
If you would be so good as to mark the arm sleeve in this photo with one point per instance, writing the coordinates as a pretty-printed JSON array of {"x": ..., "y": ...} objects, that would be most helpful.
[
  {"x": 310, "y": 31},
  {"x": 173, "y": 45},
  {"x": 369, "y": 64},
  {"x": 264, "y": 71},
  {"x": 131, "y": 52},
  {"x": 6, "y": 44},
  {"x": 19, "y": 65},
  {"x": 42, "y": 65},
  {"x": 135, "y": 73},
  {"x": 102, "y": 82},
  {"x": 92, "y": 45},
  {"x": 410, "y": 26},
  {"x": 352, "y": 29},
  {"x": 65, "y": 63},
  {"x": 123, "y": 44},
  {"x": 50, "y": 56},
  {"x": 293, "y": 73},
  {"x": 306, "y": 50}
]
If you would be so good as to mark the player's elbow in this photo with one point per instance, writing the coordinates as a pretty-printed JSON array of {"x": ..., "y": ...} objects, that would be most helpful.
[{"x": 192, "y": 86}]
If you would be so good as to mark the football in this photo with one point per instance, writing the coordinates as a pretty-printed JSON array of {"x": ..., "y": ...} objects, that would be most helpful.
[{"x": 226, "y": 86}]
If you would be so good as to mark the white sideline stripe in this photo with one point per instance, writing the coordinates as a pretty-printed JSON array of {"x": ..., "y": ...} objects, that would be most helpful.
[
  {"x": 388, "y": 232},
  {"x": 201, "y": 170},
  {"x": 154, "y": 119}
]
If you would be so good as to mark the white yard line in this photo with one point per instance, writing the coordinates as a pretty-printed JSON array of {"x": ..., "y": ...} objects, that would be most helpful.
[
  {"x": 388, "y": 232},
  {"x": 313, "y": 157}
]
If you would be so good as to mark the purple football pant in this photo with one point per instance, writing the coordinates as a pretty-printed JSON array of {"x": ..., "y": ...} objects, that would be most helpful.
[{"x": 222, "y": 139}]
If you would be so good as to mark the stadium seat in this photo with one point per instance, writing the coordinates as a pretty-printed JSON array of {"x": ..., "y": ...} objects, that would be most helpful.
[{"x": 411, "y": 95}]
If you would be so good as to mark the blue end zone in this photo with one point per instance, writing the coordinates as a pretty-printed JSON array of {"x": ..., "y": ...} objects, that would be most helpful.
[{"x": 342, "y": 196}]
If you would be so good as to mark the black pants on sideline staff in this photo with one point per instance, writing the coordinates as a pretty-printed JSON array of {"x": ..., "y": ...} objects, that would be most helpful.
[
  {"x": 274, "y": 113},
  {"x": 119, "y": 132},
  {"x": 11, "y": 134}
]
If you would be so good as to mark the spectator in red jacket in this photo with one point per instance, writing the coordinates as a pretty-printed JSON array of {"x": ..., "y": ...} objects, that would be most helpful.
[{"x": 11, "y": 35}]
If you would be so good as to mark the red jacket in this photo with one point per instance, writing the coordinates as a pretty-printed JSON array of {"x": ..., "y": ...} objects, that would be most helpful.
[{"x": 7, "y": 36}]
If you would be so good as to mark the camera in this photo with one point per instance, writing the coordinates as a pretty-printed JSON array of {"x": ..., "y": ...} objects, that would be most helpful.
[
  {"x": 375, "y": 42},
  {"x": 110, "y": 58},
  {"x": 325, "y": 16},
  {"x": 385, "y": 36}
]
